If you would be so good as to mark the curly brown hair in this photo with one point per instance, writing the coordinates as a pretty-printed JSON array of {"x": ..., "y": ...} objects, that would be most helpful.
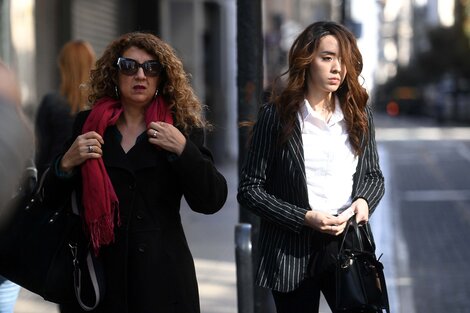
[
  {"x": 174, "y": 82},
  {"x": 353, "y": 97}
]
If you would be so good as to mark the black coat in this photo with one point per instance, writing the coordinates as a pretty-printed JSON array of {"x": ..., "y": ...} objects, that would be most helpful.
[
  {"x": 53, "y": 126},
  {"x": 149, "y": 267}
]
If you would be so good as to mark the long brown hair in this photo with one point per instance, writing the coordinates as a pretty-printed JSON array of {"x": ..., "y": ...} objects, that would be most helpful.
[
  {"x": 76, "y": 59},
  {"x": 353, "y": 97},
  {"x": 174, "y": 84}
]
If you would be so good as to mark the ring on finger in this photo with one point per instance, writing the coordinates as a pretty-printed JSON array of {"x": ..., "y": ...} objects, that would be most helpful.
[
  {"x": 154, "y": 134},
  {"x": 90, "y": 149}
]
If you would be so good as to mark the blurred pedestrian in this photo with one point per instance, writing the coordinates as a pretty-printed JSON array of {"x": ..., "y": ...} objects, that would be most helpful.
[
  {"x": 311, "y": 165},
  {"x": 15, "y": 152},
  {"x": 54, "y": 119},
  {"x": 134, "y": 155}
]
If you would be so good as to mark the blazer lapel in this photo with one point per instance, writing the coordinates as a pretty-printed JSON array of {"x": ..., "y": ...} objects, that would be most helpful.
[{"x": 295, "y": 146}]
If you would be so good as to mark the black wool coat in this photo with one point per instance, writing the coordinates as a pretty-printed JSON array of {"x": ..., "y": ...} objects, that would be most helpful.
[
  {"x": 149, "y": 268},
  {"x": 53, "y": 127}
]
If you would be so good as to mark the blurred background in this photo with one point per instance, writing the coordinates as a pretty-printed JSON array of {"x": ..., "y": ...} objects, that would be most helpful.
[
  {"x": 416, "y": 69},
  {"x": 415, "y": 51}
]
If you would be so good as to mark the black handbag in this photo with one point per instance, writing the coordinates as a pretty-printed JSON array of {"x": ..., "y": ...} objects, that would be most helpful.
[
  {"x": 360, "y": 281},
  {"x": 44, "y": 250}
]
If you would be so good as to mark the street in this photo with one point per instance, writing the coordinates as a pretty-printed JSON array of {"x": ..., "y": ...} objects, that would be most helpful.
[
  {"x": 427, "y": 170},
  {"x": 420, "y": 226}
]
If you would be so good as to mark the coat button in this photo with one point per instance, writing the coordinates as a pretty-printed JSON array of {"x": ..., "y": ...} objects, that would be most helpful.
[
  {"x": 139, "y": 215},
  {"x": 131, "y": 186},
  {"x": 142, "y": 247}
]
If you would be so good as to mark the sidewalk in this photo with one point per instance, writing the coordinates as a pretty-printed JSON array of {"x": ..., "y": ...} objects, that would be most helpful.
[{"x": 30, "y": 303}]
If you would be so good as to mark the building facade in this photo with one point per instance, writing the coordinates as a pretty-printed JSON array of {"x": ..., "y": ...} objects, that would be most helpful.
[{"x": 201, "y": 31}]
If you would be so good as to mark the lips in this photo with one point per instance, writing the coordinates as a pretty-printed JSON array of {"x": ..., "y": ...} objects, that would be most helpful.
[{"x": 139, "y": 87}]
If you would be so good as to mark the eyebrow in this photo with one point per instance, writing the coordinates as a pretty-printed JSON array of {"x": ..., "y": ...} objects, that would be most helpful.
[{"x": 328, "y": 52}]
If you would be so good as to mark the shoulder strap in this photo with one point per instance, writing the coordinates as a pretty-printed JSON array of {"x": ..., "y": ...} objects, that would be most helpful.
[{"x": 90, "y": 266}]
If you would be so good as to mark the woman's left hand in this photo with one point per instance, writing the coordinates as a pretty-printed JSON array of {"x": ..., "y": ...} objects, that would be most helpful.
[
  {"x": 166, "y": 136},
  {"x": 361, "y": 208}
]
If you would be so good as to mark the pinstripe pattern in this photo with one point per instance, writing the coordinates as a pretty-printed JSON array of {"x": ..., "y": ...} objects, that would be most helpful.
[{"x": 273, "y": 186}]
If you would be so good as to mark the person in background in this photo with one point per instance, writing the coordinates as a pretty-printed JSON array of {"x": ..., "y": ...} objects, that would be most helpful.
[
  {"x": 311, "y": 165},
  {"x": 16, "y": 139},
  {"x": 54, "y": 118},
  {"x": 134, "y": 155}
]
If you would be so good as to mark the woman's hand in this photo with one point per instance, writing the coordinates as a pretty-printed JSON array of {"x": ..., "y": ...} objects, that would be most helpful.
[
  {"x": 86, "y": 146},
  {"x": 167, "y": 137},
  {"x": 361, "y": 208},
  {"x": 325, "y": 223}
]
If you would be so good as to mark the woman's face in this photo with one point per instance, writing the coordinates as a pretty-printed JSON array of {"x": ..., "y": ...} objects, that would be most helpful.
[
  {"x": 137, "y": 89},
  {"x": 326, "y": 72}
]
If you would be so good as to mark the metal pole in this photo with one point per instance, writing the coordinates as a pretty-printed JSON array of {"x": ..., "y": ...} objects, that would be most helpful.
[
  {"x": 250, "y": 67},
  {"x": 250, "y": 90},
  {"x": 249, "y": 82},
  {"x": 245, "y": 286}
]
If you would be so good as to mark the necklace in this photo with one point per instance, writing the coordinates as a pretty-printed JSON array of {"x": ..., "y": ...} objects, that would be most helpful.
[
  {"x": 326, "y": 110},
  {"x": 328, "y": 107}
]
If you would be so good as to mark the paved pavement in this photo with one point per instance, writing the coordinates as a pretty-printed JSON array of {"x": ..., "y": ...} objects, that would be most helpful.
[{"x": 428, "y": 199}]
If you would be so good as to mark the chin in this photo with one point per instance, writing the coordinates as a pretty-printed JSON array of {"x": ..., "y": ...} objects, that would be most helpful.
[{"x": 137, "y": 102}]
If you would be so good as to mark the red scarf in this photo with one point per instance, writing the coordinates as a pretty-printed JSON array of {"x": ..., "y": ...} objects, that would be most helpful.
[{"x": 99, "y": 199}]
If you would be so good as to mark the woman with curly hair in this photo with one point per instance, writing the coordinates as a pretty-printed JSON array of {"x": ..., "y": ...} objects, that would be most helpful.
[
  {"x": 312, "y": 164},
  {"x": 133, "y": 156}
]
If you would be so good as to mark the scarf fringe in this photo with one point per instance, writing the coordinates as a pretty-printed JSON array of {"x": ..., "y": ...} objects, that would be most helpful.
[{"x": 101, "y": 232}]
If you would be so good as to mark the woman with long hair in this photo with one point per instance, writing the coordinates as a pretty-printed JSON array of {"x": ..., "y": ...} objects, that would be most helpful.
[
  {"x": 54, "y": 119},
  {"x": 311, "y": 165}
]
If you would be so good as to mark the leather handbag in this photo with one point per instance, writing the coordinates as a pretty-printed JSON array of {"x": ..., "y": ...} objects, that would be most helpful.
[
  {"x": 360, "y": 281},
  {"x": 43, "y": 249}
]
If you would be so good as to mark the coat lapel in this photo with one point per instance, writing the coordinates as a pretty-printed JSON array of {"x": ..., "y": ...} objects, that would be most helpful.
[
  {"x": 141, "y": 155},
  {"x": 113, "y": 155}
]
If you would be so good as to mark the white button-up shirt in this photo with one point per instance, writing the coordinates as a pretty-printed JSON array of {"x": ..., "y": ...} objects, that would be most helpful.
[{"x": 330, "y": 162}]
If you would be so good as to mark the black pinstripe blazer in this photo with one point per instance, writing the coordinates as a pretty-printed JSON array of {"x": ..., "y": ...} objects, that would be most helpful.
[{"x": 273, "y": 186}]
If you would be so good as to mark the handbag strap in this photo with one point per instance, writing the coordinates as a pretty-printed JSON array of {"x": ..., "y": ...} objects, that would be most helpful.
[
  {"x": 359, "y": 236},
  {"x": 39, "y": 192},
  {"x": 77, "y": 273}
]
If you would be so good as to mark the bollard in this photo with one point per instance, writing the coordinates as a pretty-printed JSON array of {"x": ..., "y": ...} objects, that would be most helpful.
[{"x": 244, "y": 263}]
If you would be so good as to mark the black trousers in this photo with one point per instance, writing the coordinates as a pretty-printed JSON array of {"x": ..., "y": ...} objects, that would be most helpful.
[{"x": 306, "y": 298}]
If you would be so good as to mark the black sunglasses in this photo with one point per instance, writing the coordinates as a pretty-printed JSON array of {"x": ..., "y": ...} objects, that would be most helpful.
[{"x": 130, "y": 67}]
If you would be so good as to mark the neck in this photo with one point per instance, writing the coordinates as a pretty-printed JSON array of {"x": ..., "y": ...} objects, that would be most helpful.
[
  {"x": 132, "y": 119},
  {"x": 322, "y": 104}
]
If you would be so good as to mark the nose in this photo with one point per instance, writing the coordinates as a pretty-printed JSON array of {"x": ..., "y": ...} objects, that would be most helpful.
[
  {"x": 140, "y": 73},
  {"x": 336, "y": 66}
]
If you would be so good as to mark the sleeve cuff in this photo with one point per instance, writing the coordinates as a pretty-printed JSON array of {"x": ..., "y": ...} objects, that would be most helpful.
[{"x": 61, "y": 174}]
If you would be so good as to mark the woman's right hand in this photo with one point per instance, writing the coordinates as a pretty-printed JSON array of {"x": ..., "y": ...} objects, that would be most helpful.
[
  {"x": 86, "y": 146},
  {"x": 325, "y": 223}
]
